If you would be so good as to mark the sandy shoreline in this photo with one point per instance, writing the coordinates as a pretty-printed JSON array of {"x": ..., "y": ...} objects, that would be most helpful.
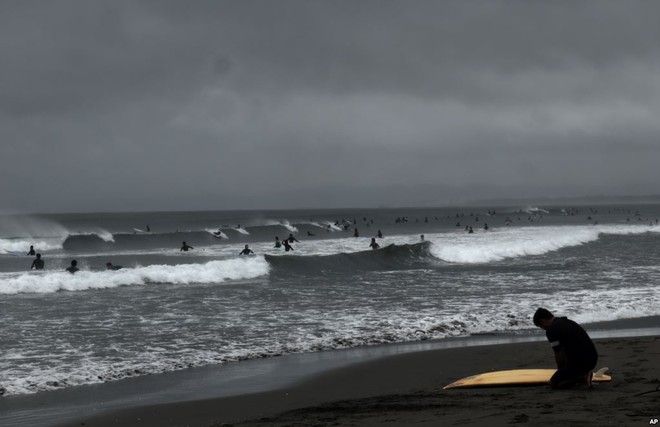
[{"x": 407, "y": 389}]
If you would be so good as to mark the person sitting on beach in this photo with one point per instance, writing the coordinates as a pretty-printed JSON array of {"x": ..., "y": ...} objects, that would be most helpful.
[
  {"x": 31, "y": 252},
  {"x": 287, "y": 245},
  {"x": 278, "y": 244},
  {"x": 246, "y": 251},
  {"x": 292, "y": 239},
  {"x": 185, "y": 247},
  {"x": 38, "y": 263},
  {"x": 374, "y": 245},
  {"x": 575, "y": 353},
  {"x": 74, "y": 267},
  {"x": 109, "y": 266}
]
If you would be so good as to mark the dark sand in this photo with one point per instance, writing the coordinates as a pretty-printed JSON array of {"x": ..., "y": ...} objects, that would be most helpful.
[{"x": 406, "y": 389}]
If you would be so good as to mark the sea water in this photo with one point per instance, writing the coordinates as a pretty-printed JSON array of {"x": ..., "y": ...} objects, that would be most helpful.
[{"x": 168, "y": 310}]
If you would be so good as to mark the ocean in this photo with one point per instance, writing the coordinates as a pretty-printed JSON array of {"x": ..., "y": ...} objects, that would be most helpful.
[{"x": 169, "y": 310}]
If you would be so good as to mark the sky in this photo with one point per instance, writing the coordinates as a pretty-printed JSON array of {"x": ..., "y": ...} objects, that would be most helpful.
[{"x": 188, "y": 105}]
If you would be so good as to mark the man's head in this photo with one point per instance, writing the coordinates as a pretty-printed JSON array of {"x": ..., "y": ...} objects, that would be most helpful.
[{"x": 543, "y": 318}]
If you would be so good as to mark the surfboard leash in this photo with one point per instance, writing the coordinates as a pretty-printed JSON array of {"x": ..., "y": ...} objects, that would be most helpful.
[{"x": 657, "y": 389}]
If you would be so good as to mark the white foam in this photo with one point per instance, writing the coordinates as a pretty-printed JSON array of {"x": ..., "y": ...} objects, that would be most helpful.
[
  {"x": 288, "y": 226},
  {"x": 283, "y": 223},
  {"x": 535, "y": 210},
  {"x": 103, "y": 234},
  {"x": 331, "y": 226},
  {"x": 517, "y": 242},
  {"x": 20, "y": 246},
  {"x": 217, "y": 233},
  {"x": 211, "y": 272}
]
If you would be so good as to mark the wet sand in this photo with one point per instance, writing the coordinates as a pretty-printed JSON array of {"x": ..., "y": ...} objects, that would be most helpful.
[{"x": 407, "y": 389}]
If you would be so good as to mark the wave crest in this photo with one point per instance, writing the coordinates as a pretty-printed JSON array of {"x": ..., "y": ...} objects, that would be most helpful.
[{"x": 182, "y": 274}]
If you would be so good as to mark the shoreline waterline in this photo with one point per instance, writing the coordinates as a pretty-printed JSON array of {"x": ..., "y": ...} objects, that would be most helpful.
[{"x": 251, "y": 376}]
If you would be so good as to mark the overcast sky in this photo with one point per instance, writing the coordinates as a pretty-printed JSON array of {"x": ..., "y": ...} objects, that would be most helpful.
[{"x": 183, "y": 105}]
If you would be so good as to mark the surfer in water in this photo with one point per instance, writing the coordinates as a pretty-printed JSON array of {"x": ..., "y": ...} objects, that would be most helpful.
[
  {"x": 246, "y": 251},
  {"x": 185, "y": 247},
  {"x": 31, "y": 252},
  {"x": 292, "y": 239},
  {"x": 278, "y": 244},
  {"x": 73, "y": 267},
  {"x": 575, "y": 353},
  {"x": 374, "y": 245},
  {"x": 287, "y": 245},
  {"x": 38, "y": 263},
  {"x": 109, "y": 266}
]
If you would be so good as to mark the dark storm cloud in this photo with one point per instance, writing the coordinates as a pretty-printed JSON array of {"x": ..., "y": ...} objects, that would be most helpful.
[{"x": 228, "y": 104}]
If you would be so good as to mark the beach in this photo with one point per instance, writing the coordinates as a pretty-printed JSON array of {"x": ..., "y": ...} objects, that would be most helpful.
[
  {"x": 335, "y": 331},
  {"x": 407, "y": 389}
]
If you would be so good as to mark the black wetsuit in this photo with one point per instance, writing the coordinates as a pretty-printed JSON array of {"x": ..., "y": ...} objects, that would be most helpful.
[
  {"x": 287, "y": 246},
  {"x": 579, "y": 351},
  {"x": 37, "y": 264},
  {"x": 246, "y": 251},
  {"x": 72, "y": 269}
]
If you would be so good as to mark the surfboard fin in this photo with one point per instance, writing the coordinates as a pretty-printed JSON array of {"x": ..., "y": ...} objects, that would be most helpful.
[{"x": 602, "y": 371}]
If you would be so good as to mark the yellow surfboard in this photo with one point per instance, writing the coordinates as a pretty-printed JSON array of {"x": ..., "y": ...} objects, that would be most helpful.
[{"x": 517, "y": 377}]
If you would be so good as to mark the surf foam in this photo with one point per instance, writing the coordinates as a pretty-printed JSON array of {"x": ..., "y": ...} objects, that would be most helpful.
[
  {"x": 518, "y": 242},
  {"x": 183, "y": 274}
]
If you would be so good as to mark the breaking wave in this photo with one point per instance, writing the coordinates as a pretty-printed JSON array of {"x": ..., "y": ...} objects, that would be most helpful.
[
  {"x": 182, "y": 274},
  {"x": 527, "y": 241}
]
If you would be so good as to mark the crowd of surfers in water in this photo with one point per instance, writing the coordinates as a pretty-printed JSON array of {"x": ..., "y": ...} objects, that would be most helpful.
[{"x": 344, "y": 224}]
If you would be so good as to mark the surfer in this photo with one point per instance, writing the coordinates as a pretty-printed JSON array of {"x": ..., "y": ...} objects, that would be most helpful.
[
  {"x": 575, "y": 353},
  {"x": 380, "y": 234},
  {"x": 74, "y": 267},
  {"x": 31, "y": 252},
  {"x": 287, "y": 245},
  {"x": 109, "y": 266},
  {"x": 374, "y": 245},
  {"x": 38, "y": 263},
  {"x": 246, "y": 251},
  {"x": 355, "y": 233},
  {"x": 278, "y": 244},
  {"x": 292, "y": 239},
  {"x": 185, "y": 247}
]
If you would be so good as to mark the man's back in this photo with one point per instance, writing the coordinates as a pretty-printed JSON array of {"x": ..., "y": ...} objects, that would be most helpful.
[{"x": 573, "y": 339}]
